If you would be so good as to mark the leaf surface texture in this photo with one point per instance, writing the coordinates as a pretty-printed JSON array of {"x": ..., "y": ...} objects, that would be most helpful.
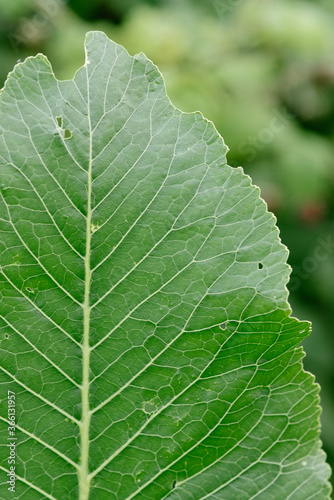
[{"x": 144, "y": 320}]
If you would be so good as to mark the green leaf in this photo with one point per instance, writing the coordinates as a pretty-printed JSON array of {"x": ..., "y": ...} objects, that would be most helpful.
[{"x": 144, "y": 324}]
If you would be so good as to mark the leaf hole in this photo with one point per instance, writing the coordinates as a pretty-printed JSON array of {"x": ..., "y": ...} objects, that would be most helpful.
[
  {"x": 174, "y": 484},
  {"x": 59, "y": 121},
  {"x": 29, "y": 290},
  {"x": 223, "y": 326},
  {"x": 149, "y": 408},
  {"x": 6, "y": 336},
  {"x": 67, "y": 134},
  {"x": 260, "y": 265}
]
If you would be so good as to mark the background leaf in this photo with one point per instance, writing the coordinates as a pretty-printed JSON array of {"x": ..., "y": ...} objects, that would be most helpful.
[{"x": 144, "y": 317}]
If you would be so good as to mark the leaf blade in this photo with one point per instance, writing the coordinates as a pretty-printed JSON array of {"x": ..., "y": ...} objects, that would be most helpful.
[{"x": 143, "y": 244}]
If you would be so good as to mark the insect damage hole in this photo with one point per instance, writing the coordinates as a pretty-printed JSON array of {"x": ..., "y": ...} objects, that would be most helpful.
[
  {"x": 260, "y": 265},
  {"x": 67, "y": 134},
  {"x": 223, "y": 326}
]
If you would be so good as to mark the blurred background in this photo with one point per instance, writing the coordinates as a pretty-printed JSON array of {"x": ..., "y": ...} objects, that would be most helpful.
[{"x": 263, "y": 72}]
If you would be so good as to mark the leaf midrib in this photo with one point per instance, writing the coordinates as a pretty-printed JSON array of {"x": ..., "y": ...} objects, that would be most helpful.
[{"x": 84, "y": 479}]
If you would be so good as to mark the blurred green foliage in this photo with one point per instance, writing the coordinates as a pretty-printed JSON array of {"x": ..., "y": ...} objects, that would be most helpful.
[{"x": 263, "y": 72}]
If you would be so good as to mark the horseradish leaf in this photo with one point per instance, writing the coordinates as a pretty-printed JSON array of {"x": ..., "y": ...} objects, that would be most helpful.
[{"x": 144, "y": 323}]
